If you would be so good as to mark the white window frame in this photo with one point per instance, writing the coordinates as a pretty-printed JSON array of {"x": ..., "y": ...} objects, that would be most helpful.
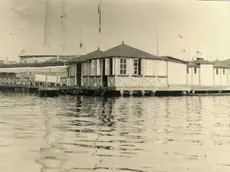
[
  {"x": 136, "y": 66},
  {"x": 95, "y": 67},
  {"x": 123, "y": 66}
]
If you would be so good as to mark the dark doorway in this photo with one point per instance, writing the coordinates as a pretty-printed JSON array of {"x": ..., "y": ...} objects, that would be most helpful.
[
  {"x": 111, "y": 66},
  {"x": 104, "y": 76},
  {"x": 78, "y": 74}
]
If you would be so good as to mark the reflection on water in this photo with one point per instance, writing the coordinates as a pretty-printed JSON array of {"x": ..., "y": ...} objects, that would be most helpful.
[{"x": 106, "y": 134}]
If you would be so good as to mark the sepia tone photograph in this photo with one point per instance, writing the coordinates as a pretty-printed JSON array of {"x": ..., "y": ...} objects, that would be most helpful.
[{"x": 115, "y": 86}]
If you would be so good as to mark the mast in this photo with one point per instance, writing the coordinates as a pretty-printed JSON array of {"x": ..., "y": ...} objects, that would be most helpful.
[
  {"x": 80, "y": 43},
  {"x": 156, "y": 64},
  {"x": 63, "y": 25},
  {"x": 157, "y": 44},
  {"x": 99, "y": 22},
  {"x": 46, "y": 22}
]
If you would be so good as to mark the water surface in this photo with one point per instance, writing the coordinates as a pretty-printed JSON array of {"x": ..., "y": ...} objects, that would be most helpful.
[{"x": 68, "y": 134}]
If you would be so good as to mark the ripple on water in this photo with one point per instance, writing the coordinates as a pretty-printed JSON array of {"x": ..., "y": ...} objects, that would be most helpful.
[{"x": 123, "y": 134}]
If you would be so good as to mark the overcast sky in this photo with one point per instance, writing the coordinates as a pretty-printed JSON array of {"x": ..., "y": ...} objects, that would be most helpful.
[{"x": 205, "y": 26}]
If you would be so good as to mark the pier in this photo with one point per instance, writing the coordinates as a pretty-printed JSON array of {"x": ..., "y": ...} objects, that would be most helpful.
[
  {"x": 119, "y": 71},
  {"x": 65, "y": 88}
]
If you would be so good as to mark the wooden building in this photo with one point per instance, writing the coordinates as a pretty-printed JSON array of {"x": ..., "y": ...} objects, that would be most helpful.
[
  {"x": 127, "y": 68},
  {"x": 201, "y": 72}
]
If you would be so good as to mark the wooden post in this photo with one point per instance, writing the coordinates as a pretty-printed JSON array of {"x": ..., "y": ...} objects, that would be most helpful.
[
  {"x": 115, "y": 71},
  {"x": 75, "y": 74},
  {"x": 192, "y": 72},
  {"x": 214, "y": 76},
  {"x": 221, "y": 77},
  {"x": 227, "y": 76},
  {"x": 46, "y": 81}
]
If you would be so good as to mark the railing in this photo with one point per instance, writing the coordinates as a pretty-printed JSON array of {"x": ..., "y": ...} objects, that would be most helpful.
[
  {"x": 17, "y": 81},
  {"x": 31, "y": 81},
  {"x": 91, "y": 81}
]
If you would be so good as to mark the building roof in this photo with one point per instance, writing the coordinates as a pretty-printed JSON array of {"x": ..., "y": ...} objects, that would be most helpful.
[
  {"x": 227, "y": 61},
  {"x": 191, "y": 64},
  {"x": 172, "y": 59},
  {"x": 63, "y": 59},
  {"x": 124, "y": 50},
  {"x": 43, "y": 55},
  {"x": 201, "y": 61},
  {"x": 32, "y": 64},
  {"x": 221, "y": 64},
  {"x": 88, "y": 56}
]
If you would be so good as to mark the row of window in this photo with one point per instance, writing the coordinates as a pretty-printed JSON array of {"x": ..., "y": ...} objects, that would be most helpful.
[
  {"x": 217, "y": 71},
  {"x": 136, "y": 67},
  {"x": 195, "y": 70},
  {"x": 123, "y": 67}
]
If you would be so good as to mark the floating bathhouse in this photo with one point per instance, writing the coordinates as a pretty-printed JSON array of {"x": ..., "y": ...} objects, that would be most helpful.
[
  {"x": 122, "y": 69},
  {"x": 127, "y": 68}
]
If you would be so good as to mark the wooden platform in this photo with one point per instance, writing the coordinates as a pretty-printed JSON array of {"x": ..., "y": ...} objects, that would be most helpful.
[{"x": 171, "y": 90}]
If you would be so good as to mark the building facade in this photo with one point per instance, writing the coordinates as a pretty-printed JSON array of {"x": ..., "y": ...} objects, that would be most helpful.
[{"x": 125, "y": 67}]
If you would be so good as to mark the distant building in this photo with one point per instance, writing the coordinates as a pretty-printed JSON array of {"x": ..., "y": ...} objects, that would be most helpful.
[
  {"x": 43, "y": 58},
  {"x": 12, "y": 62},
  {"x": 7, "y": 62}
]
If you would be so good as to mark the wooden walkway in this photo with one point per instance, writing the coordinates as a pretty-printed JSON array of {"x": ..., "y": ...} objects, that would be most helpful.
[{"x": 171, "y": 90}]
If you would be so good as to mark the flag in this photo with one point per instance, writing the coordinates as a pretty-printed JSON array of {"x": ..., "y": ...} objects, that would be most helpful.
[
  {"x": 99, "y": 15},
  {"x": 81, "y": 45}
]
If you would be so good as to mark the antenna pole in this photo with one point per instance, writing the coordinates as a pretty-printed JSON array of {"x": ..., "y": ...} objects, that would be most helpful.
[
  {"x": 45, "y": 24},
  {"x": 157, "y": 44},
  {"x": 81, "y": 44},
  {"x": 99, "y": 24},
  {"x": 63, "y": 25},
  {"x": 156, "y": 64}
]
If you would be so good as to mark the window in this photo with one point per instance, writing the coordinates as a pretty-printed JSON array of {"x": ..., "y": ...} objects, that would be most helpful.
[
  {"x": 89, "y": 68},
  {"x": 223, "y": 71},
  {"x": 195, "y": 70},
  {"x": 94, "y": 67},
  {"x": 122, "y": 66},
  {"x": 135, "y": 66},
  {"x": 217, "y": 71},
  {"x": 187, "y": 70}
]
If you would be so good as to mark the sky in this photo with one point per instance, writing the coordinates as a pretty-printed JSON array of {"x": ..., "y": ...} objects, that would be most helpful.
[{"x": 203, "y": 26}]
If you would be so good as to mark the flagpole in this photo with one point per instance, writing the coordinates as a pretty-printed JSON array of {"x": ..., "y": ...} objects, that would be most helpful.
[
  {"x": 45, "y": 24},
  {"x": 156, "y": 64},
  {"x": 81, "y": 44},
  {"x": 99, "y": 23}
]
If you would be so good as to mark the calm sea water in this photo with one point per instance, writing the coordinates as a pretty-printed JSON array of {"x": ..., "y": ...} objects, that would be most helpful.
[{"x": 68, "y": 134}]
